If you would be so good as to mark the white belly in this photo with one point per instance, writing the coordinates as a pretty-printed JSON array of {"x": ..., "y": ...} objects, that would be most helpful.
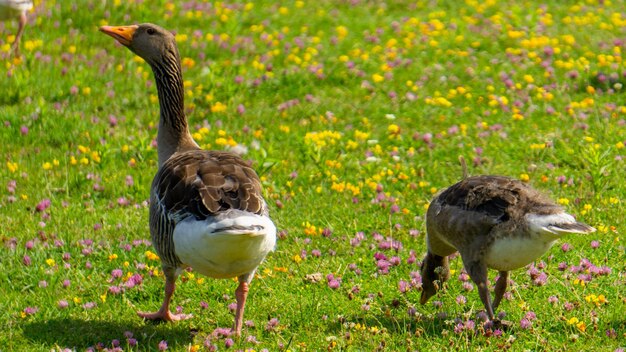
[
  {"x": 512, "y": 253},
  {"x": 222, "y": 255},
  {"x": 10, "y": 9}
]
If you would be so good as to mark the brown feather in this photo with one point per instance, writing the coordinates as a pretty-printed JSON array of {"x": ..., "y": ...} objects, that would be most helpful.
[{"x": 203, "y": 183}]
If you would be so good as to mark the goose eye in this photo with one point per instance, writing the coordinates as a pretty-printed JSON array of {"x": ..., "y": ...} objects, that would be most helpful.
[{"x": 150, "y": 31}]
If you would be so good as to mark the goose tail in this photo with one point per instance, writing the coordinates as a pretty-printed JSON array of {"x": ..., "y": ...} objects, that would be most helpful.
[
  {"x": 557, "y": 224},
  {"x": 237, "y": 222}
]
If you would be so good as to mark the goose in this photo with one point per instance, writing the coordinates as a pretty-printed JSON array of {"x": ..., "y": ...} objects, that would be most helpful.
[
  {"x": 207, "y": 210},
  {"x": 10, "y": 9},
  {"x": 493, "y": 222}
]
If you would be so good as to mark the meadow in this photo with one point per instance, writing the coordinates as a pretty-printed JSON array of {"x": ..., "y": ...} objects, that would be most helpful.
[{"x": 354, "y": 114}]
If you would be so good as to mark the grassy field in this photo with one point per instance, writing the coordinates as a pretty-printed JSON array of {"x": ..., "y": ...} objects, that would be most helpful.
[{"x": 354, "y": 113}]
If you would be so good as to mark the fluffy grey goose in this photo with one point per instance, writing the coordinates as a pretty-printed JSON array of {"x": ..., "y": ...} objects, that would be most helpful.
[
  {"x": 493, "y": 222},
  {"x": 207, "y": 211},
  {"x": 16, "y": 9}
]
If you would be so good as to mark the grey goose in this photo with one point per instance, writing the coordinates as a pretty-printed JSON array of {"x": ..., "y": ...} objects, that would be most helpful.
[
  {"x": 493, "y": 222},
  {"x": 207, "y": 210}
]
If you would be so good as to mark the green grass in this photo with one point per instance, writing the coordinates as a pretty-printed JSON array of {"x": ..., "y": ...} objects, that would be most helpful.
[{"x": 388, "y": 96}]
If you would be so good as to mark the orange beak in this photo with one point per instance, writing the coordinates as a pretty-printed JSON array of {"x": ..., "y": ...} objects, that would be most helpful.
[{"x": 123, "y": 34}]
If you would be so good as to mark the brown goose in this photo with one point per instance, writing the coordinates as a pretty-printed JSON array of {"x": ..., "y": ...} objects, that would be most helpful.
[
  {"x": 206, "y": 207},
  {"x": 11, "y": 9},
  {"x": 493, "y": 222}
]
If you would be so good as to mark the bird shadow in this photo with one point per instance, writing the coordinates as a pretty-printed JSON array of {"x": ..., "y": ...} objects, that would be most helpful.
[{"x": 77, "y": 333}]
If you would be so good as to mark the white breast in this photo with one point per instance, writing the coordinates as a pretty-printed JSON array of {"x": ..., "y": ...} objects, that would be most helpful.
[{"x": 216, "y": 249}]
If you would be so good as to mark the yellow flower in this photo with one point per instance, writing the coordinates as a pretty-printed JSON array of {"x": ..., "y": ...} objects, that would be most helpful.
[
  {"x": 393, "y": 129},
  {"x": 342, "y": 31},
  {"x": 339, "y": 187},
  {"x": 377, "y": 78},
  {"x": 112, "y": 256},
  {"x": 95, "y": 156},
  {"x": 296, "y": 258},
  {"x": 524, "y": 177},
  {"x": 218, "y": 107},
  {"x": 11, "y": 166},
  {"x": 50, "y": 262},
  {"x": 188, "y": 62},
  {"x": 151, "y": 256},
  {"x": 597, "y": 300}
]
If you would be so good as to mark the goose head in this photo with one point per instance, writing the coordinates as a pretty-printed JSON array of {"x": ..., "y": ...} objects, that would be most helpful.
[
  {"x": 435, "y": 271},
  {"x": 149, "y": 41}
]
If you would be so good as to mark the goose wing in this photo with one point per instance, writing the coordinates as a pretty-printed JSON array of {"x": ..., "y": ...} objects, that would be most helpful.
[
  {"x": 203, "y": 183},
  {"x": 497, "y": 197}
]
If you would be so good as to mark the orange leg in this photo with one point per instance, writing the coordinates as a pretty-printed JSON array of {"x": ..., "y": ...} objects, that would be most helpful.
[
  {"x": 20, "y": 31},
  {"x": 164, "y": 312},
  {"x": 241, "y": 294}
]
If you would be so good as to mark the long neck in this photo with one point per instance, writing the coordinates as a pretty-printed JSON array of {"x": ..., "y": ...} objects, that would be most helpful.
[{"x": 173, "y": 132}]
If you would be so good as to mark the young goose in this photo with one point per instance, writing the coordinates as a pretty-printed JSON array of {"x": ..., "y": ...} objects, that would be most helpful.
[
  {"x": 493, "y": 222},
  {"x": 10, "y": 9},
  {"x": 207, "y": 211}
]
